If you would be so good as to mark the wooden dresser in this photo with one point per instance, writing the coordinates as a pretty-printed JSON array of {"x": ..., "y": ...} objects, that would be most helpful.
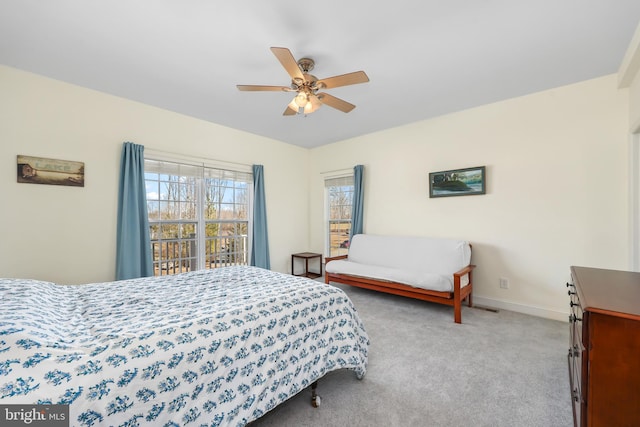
[{"x": 604, "y": 357}]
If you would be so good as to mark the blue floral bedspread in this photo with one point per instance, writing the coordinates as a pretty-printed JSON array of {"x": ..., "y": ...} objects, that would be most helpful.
[{"x": 207, "y": 348}]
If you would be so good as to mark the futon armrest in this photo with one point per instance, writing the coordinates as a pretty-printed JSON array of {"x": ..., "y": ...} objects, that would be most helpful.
[
  {"x": 464, "y": 271},
  {"x": 333, "y": 258}
]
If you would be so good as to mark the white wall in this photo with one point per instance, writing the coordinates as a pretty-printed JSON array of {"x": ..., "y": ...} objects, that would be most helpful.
[
  {"x": 556, "y": 188},
  {"x": 629, "y": 77},
  {"x": 634, "y": 104},
  {"x": 67, "y": 234},
  {"x": 557, "y": 184}
]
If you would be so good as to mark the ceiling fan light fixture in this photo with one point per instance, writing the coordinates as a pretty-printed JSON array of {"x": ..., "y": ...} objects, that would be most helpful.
[
  {"x": 301, "y": 99},
  {"x": 308, "y": 109},
  {"x": 313, "y": 104}
]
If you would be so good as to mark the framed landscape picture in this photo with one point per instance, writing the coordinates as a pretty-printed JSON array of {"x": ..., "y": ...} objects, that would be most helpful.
[
  {"x": 457, "y": 182},
  {"x": 39, "y": 170}
]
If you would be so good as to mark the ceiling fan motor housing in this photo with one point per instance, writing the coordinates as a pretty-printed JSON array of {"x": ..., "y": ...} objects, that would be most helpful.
[
  {"x": 308, "y": 85},
  {"x": 306, "y": 64}
]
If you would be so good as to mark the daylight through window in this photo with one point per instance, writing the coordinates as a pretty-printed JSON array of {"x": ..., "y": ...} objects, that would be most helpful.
[
  {"x": 339, "y": 197},
  {"x": 199, "y": 217}
]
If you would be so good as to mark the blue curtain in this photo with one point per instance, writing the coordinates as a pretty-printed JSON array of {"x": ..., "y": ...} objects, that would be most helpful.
[
  {"x": 357, "y": 209},
  {"x": 260, "y": 239},
  {"x": 133, "y": 244}
]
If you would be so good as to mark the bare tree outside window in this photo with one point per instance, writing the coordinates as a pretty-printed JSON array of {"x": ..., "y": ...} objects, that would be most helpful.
[
  {"x": 197, "y": 216},
  {"x": 339, "y": 201}
]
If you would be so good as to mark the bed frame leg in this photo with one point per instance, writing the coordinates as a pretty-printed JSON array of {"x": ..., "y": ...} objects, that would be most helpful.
[{"x": 315, "y": 399}]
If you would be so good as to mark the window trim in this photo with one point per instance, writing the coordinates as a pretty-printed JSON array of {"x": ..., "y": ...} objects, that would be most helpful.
[
  {"x": 201, "y": 166},
  {"x": 334, "y": 181}
]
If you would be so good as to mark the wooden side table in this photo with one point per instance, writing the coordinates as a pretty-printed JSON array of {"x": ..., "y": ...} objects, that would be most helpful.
[{"x": 307, "y": 256}]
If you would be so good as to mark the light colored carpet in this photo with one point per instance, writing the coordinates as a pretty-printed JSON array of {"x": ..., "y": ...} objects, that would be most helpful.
[{"x": 495, "y": 369}]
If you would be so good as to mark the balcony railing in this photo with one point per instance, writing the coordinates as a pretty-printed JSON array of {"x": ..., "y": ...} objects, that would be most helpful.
[{"x": 180, "y": 254}]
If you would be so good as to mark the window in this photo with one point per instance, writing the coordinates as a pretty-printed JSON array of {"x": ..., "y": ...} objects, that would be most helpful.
[
  {"x": 339, "y": 197},
  {"x": 198, "y": 216}
]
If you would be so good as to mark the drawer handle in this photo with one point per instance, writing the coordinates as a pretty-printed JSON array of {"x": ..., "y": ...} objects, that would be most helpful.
[
  {"x": 570, "y": 285},
  {"x": 571, "y": 293},
  {"x": 572, "y": 304},
  {"x": 574, "y": 318},
  {"x": 575, "y": 394},
  {"x": 576, "y": 351}
]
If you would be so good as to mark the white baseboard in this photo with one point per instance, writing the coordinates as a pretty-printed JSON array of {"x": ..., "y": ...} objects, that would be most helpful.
[{"x": 521, "y": 308}]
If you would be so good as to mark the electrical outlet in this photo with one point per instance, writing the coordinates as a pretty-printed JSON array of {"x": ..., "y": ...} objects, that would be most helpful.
[{"x": 504, "y": 283}]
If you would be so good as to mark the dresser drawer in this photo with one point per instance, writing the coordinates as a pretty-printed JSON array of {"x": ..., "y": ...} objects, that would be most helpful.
[
  {"x": 576, "y": 352},
  {"x": 605, "y": 332},
  {"x": 575, "y": 382},
  {"x": 576, "y": 324},
  {"x": 575, "y": 315}
]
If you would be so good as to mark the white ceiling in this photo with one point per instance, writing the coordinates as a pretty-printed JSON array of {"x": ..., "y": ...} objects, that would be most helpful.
[{"x": 424, "y": 58}]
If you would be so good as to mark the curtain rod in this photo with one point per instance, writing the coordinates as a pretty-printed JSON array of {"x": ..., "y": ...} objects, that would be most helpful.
[
  {"x": 153, "y": 151},
  {"x": 337, "y": 170}
]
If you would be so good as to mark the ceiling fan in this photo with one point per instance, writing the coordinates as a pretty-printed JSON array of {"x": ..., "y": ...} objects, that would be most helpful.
[{"x": 309, "y": 98}]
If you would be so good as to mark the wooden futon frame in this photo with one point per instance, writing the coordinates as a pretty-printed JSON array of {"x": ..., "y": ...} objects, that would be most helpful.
[{"x": 454, "y": 298}]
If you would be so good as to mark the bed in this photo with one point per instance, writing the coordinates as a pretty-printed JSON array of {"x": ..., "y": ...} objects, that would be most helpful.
[{"x": 216, "y": 347}]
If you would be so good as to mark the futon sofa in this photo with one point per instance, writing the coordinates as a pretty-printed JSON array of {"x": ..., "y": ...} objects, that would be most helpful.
[{"x": 431, "y": 269}]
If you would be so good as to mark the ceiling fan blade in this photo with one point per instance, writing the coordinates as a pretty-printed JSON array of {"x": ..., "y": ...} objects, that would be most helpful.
[
  {"x": 257, "y": 88},
  {"x": 292, "y": 109},
  {"x": 343, "y": 80},
  {"x": 288, "y": 62},
  {"x": 336, "y": 103}
]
